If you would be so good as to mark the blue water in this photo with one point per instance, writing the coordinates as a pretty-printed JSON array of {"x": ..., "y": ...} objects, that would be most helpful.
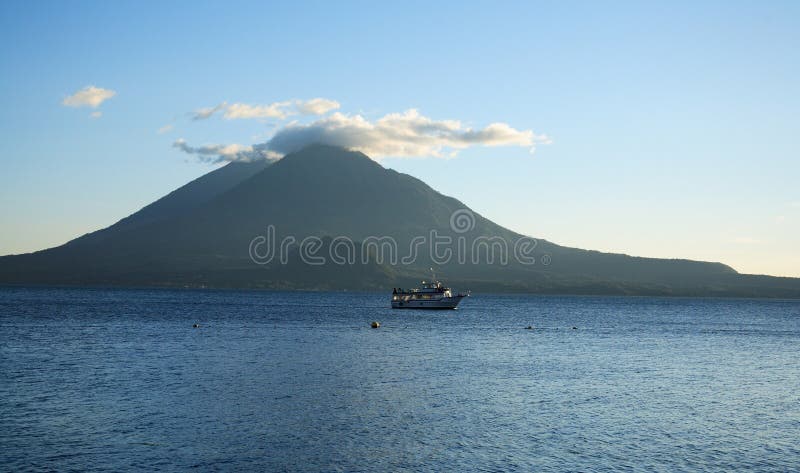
[{"x": 119, "y": 380}]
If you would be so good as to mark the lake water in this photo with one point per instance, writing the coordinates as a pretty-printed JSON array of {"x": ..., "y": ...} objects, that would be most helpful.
[{"x": 97, "y": 379}]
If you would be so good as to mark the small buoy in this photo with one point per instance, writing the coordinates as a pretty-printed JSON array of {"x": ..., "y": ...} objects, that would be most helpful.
[
  {"x": 529, "y": 327},
  {"x": 196, "y": 326},
  {"x": 375, "y": 325},
  {"x": 574, "y": 328}
]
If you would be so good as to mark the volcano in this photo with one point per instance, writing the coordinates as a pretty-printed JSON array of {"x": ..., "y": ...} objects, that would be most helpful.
[{"x": 327, "y": 218}]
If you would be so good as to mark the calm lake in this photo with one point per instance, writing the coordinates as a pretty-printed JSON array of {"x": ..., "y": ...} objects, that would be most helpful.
[{"x": 115, "y": 379}]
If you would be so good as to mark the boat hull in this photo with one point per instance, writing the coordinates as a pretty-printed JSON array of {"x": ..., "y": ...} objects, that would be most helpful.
[{"x": 440, "y": 304}]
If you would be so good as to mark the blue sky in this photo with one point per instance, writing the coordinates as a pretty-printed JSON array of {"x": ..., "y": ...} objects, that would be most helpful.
[{"x": 674, "y": 125}]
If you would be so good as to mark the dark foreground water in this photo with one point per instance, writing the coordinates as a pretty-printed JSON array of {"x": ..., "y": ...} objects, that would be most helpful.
[{"x": 119, "y": 380}]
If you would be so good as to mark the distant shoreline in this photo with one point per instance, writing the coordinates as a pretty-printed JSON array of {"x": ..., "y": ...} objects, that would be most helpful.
[{"x": 93, "y": 287}]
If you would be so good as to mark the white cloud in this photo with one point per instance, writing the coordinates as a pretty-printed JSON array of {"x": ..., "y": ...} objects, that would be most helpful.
[
  {"x": 243, "y": 110},
  {"x": 780, "y": 218},
  {"x": 203, "y": 113},
  {"x": 795, "y": 204},
  {"x": 407, "y": 134},
  {"x": 745, "y": 240},
  {"x": 280, "y": 110},
  {"x": 89, "y": 96},
  {"x": 166, "y": 128},
  {"x": 96, "y": 114},
  {"x": 317, "y": 106},
  {"x": 216, "y": 153}
]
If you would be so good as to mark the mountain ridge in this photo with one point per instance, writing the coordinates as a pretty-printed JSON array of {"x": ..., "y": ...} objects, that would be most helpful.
[{"x": 200, "y": 234}]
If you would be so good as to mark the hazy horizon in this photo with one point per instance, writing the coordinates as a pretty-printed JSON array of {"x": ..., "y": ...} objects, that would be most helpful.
[{"x": 659, "y": 130}]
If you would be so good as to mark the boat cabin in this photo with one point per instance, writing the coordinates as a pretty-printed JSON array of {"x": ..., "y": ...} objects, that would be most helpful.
[{"x": 428, "y": 290}]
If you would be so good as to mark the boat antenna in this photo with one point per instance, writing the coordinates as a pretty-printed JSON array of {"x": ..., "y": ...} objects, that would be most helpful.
[{"x": 433, "y": 273}]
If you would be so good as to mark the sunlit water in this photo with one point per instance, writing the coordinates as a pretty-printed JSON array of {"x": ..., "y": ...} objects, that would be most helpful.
[{"x": 120, "y": 380}]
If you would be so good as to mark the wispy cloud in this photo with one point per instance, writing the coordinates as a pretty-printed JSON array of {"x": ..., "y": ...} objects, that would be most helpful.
[
  {"x": 746, "y": 240},
  {"x": 243, "y": 110},
  {"x": 280, "y": 110},
  {"x": 203, "y": 113},
  {"x": 96, "y": 114},
  {"x": 317, "y": 106},
  {"x": 407, "y": 134},
  {"x": 215, "y": 153},
  {"x": 165, "y": 129},
  {"x": 89, "y": 96}
]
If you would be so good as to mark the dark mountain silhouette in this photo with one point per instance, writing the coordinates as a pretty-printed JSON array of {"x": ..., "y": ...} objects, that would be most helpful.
[
  {"x": 201, "y": 234},
  {"x": 182, "y": 200}
]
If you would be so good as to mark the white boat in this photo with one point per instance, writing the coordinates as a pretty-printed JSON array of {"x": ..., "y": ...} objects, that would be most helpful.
[{"x": 430, "y": 295}]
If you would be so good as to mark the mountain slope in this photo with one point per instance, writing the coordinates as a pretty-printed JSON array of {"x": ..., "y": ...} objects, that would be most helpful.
[
  {"x": 201, "y": 235},
  {"x": 181, "y": 200}
]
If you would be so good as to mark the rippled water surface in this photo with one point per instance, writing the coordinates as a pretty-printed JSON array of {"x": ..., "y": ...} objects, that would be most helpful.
[{"x": 120, "y": 380}]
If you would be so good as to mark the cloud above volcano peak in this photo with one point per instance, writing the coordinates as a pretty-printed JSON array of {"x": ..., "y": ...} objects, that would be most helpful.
[
  {"x": 217, "y": 153},
  {"x": 403, "y": 135},
  {"x": 407, "y": 134}
]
